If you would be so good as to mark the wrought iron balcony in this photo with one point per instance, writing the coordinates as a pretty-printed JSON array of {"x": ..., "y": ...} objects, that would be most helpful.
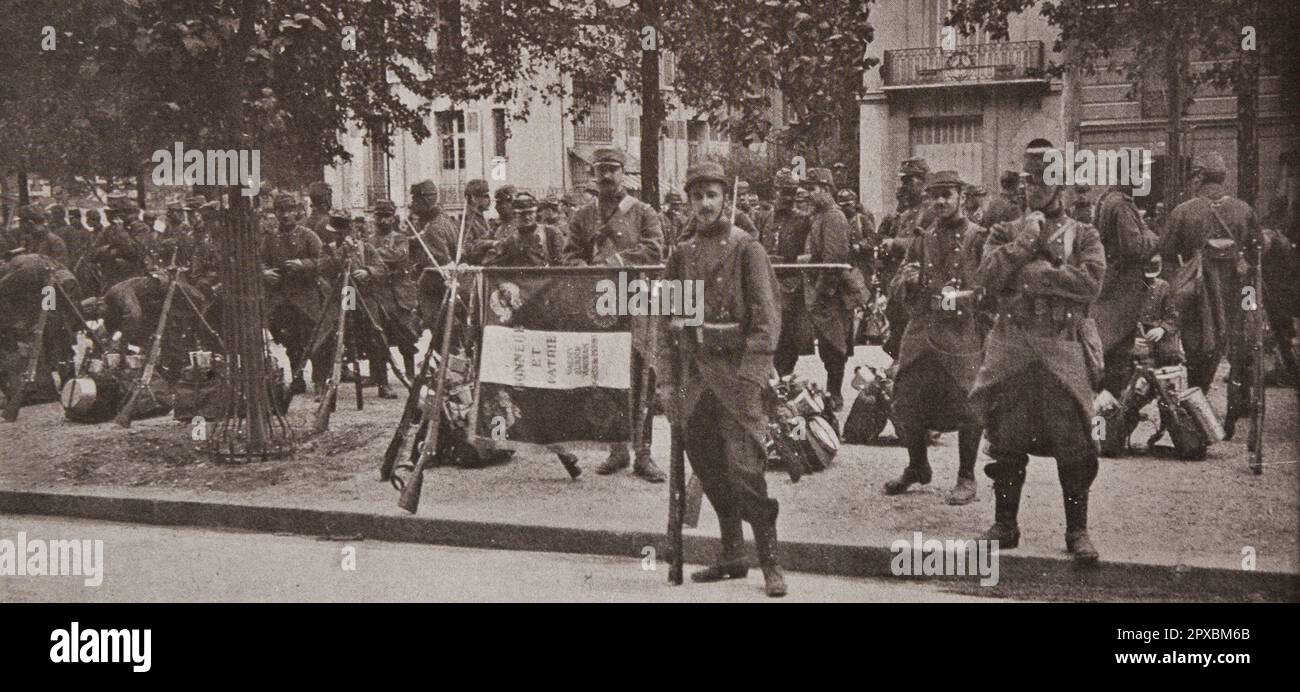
[{"x": 980, "y": 63}]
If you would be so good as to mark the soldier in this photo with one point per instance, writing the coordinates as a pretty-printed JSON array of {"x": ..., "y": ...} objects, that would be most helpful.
[
  {"x": 322, "y": 200},
  {"x": 94, "y": 223},
  {"x": 505, "y": 208},
  {"x": 1081, "y": 207},
  {"x": 620, "y": 230},
  {"x": 345, "y": 239},
  {"x": 829, "y": 301},
  {"x": 672, "y": 221},
  {"x": 1033, "y": 389},
  {"x": 177, "y": 235},
  {"x": 862, "y": 233},
  {"x": 720, "y": 399},
  {"x": 549, "y": 212},
  {"x": 205, "y": 259},
  {"x": 22, "y": 282},
  {"x": 78, "y": 240},
  {"x": 912, "y": 216},
  {"x": 803, "y": 202},
  {"x": 36, "y": 237},
  {"x": 943, "y": 345},
  {"x": 391, "y": 292},
  {"x": 784, "y": 238},
  {"x": 1007, "y": 205},
  {"x": 1222, "y": 233},
  {"x": 134, "y": 306},
  {"x": 1159, "y": 321},
  {"x": 974, "y": 204},
  {"x": 569, "y": 204},
  {"x": 295, "y": 295},
  {"x": 1128, "y": 244}
]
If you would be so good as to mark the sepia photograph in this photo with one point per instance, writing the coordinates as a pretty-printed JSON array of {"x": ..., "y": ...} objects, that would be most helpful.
[{"x": 951, "y": 302}]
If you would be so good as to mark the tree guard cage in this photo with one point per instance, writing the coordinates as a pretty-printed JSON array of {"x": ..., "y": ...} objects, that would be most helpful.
[{"x": 251, "y": 428}]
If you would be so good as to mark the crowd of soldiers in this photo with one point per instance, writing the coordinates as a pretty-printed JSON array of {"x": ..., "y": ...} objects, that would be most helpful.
[{"x": 989, "y": 303}]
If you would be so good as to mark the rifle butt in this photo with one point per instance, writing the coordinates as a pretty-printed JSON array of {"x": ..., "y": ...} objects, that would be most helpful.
[
  {"x": 409, "y": 500},
  {"x": 321, "y": 422},
  {"x": 676, "y": 506},
  {"x": 124, "y": 414}
]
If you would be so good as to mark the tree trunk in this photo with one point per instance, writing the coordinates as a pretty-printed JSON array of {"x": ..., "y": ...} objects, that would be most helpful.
[
  {"x": 652, "y": 115},
  {"x": 1247, "y": 127},
  {"x": 22, "y": 190},
  {"x": 1174, "y": 101}
]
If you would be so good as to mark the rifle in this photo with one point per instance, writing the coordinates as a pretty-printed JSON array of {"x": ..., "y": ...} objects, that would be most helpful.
[
  {"x": 677, "y": 467},
  {"x": 321, "y": 422},
  {"x": 410, "y": 497},
  {"x": 409, "y": 414},
  {"x": 155, "y": 351},
  {"x": 28, "y": 376},
  {"x": 1257, "y": 395}
]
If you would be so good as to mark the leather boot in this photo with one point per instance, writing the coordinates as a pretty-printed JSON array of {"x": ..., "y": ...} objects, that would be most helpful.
[
  {"x": 618, "y": 460},
  {"x": 645, "y": 467},
  {"x": 911, "y": 474},
  {"x": 731, "y": 562},
  {"x": 773, "y": 577},
  {"x": 1076, "y": 529},
  {"x": 570, "y": 463},
  {"x": 1005, "y": 530},
  {"x": 298, "y": 386}
]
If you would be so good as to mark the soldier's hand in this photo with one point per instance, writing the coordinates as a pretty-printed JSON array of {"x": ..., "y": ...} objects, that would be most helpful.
[
  {"x": 360, "y": 274},
  {"x": 293, "y": 265},
  {"x": 1156, "y": 334},
  {"x": 271, "y": 276}
]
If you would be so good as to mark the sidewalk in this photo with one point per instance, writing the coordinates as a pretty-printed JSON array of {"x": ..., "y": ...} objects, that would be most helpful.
[{"x": 1159, "y": 519}]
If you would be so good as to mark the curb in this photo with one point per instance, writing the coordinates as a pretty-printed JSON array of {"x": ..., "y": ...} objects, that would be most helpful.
[{"x": 1016, "y": 572}]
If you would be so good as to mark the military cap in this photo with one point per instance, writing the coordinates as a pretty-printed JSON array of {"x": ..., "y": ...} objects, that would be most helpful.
[
  {"x": 742, "y": 187},
  {"x": 477, "y": 186},
  {"x": 551, "y": 202},
  {"x": 385, "y": 206},
  {"x": 1210, "y": 162},
  {"x": 339, "y": 218},
  {"x": 32, "y": 212},
  {"x": 976, "y": 190},
  {"x": 608, "y": 155},
  {"x": 571, "y": 199},
  {"x": 359, "y": 219},
  {"x": 285, "y": 202},
  {"x": 672, "y": 198},
  {"x": 944, "y": 179},
  {"x": 505, "y": 193},
  {"x": 705, "y": 172},
  {"x": 820, "y": 176},
  {"x": 914, "y": 166},
  {"x": 785, "y": 178},
  {"x": 1009, "y": 178},
  {"x": 524, "y": 201},
  {"x": 845, "y": 196},
  {"x": 424, "y": 187},
  {"x": 320, "y": 188}
]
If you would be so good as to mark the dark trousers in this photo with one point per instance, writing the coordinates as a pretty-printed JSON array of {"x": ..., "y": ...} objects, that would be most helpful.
[
  {"x": 1119, "y": 367},
  {"x": 1036, "y": 414},
  {"x": 729, "y": 463}
]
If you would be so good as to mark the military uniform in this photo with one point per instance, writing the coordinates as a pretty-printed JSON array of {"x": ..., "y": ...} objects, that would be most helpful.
[
  {"x": 1128, "y": 244},
  {"x": 1161, "y": 310},
  {"x": 826, "y": 298},
  {"x": 1033, "y": 390},
  {"x": 621, "y": 233},
  {"x": 296, "y": 296},
  {"x": 22, "y": 280},
  {"x": 134, "y": 306},
  {"x": 787, "y": 234},
  {"x": 321, "y": 196},
  {"x": 719, "y": 400},
  {"x": 942, "y": 346},
  {"x": 1002, "y": 209},
  {"x": 912, "y": 217},
  {"x": 119, "y": 253}
]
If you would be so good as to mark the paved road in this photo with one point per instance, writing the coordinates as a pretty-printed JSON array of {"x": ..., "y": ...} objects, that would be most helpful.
[{"x": 147, "y": 563}]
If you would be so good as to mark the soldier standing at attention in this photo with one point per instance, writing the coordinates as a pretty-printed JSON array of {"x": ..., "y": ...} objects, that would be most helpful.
[
  {"x": 620, "y": 230},
  {"x": 943, "y": 345},
  {"x": 913, "y": 216},
  {"x": 1033, "y": 388},
  {"x": 784, "y": 238},
  {"x": 720, "y": 397},
  {"x": 390, "y": 293},
  {"x": 505, "y": 208}
]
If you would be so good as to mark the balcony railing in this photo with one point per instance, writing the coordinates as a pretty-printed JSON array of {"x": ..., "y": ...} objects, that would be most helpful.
[
  {"x": 593, "y": 133},
  {"x": 980, "y": 63}
]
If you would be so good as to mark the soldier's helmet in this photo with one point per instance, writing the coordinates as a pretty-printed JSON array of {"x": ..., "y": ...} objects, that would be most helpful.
[
  {"x": 285, "y": 202},
  {"x": 551, "y": 202},
  {"x": 319, "y": 189},
  {"x": 385, "y": 207},
  {"x": 1209, "y": 163},
  {"x": 915, "y": 166},
  {"x": 820, "y": 176},
  {"x": 425, "y": 188},
  {"x": 785, "y": 180},
  {"x": 742, "y": 188},
  {"x": 706, "y": 172},
  {"x": 339, "y": 221},
  {"x": 976, "y": 191},
  {"x": 505, "y": 194}
]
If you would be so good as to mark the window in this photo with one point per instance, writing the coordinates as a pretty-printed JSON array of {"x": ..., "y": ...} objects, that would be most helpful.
[
  {"x": 596, "y": 125},
  {"x": 633, "y": 126},
  {"x": 376, "y": 174},
  {"x": 500, "y": 130},
  {"x": 451, "y": 132},
  {"x": 667, "y": 69},
  {"x": 941, "y": 9}
]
